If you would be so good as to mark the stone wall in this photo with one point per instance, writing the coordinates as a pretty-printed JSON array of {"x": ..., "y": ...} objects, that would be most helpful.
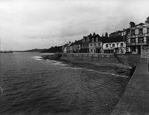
[
  {"x": 145, "y": 52},
  {"x": 101, "y": 58},
  {"x": 129, "y": 59}
]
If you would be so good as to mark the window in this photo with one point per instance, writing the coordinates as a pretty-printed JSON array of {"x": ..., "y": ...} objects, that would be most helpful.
[
  {"x": 94, "y": 44},
  {"x": 128, "y": 40},
  {"x": 106, "y": 45},
  {"x": 96, "y": 39},
  {"x": 113, "y": 45},
  {"x": 140, "y": 40},
  {"x": 148, "y": 30},
  {"x": 137, "y": 31},
  {"x": 133, "y": 40},
  {"x": 132, "y": 32},
  {"x": 133, "y": 49},
  {"x": 147, "y": 39},
  {"x": 92, "y": 39},
  {"x": 98, "y": 44},
  {"x": 122, "y": 44},
  {"x": 140, "y": 31},
  {"x": 88, "y": 39}
]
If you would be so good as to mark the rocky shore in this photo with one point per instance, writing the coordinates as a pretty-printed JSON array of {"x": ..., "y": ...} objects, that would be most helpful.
[{"x": 115, "y": 69}]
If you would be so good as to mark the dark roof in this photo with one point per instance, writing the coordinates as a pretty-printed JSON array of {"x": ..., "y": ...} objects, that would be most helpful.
[
  {"x": 113, "y": 39},
  {"x": 76, "y": 42},
  {"x": 140, "y": 24}
]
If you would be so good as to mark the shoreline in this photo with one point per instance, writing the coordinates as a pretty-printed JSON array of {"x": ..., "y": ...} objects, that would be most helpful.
[
  {"x": 112, "y": 68},
  {"x": 113, "y": 84},
  {"x": 121, "y": 70}
]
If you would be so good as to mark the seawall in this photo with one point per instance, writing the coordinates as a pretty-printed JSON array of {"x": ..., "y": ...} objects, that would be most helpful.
[
  {"x": 127, "y": 60},
  {"x": 135, "y": 100}
]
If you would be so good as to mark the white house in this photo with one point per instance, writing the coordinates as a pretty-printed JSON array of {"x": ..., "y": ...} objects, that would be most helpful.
[
  {"x": 115, "y": 44},
  {"x": 66, "y": 48}
]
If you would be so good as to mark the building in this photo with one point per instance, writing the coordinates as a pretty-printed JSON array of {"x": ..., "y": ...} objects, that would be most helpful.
[
  {"x": 117, "y": 33},
  {"x": 64, "y": 48},
  {"x": 85, "y": 44},
  {"x": 95, "y": 44},
  {"x": 76, "y": 46},
  {"x": 115, "y": 44},
  {"x": 138, "y": 37},
  {"x": 67, "y": 48}
]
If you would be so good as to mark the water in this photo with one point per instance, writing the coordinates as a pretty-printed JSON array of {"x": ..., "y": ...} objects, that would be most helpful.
[{"x": 32, "y": 86}]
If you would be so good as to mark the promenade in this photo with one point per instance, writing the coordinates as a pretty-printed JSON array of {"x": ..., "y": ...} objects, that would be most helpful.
[{"x": 135, "y": 100}]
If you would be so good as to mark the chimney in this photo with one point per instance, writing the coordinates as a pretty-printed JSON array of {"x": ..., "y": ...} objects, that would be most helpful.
[
  {"x": 147, "y": 20},
  {"x": 106, "y": 34},
  {"x": 131, "y": 24}
]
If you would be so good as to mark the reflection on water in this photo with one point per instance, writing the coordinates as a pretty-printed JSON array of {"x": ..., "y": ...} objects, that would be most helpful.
[
  {"x": 32, "y": 86},
  {"x": 37, "y": 57}
]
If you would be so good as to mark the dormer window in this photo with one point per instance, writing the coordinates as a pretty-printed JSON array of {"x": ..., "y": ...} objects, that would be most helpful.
[
  {"x": 87, "y": 39},
  {"x": 92, "y": 39},
  {"x": 96, "y": 39}
]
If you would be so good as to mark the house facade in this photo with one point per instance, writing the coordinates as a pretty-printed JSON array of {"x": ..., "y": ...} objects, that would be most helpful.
[
  {"x": 138, "y": 37},
  {"x": 95, "y": 44},
  {"x": 67, "y": 48},
  {"x": 85, "y": 44},
  {"x": 64, "y": 49},
  {"x": 76, "y": 46},
  {"x": 114, "y": 45}
]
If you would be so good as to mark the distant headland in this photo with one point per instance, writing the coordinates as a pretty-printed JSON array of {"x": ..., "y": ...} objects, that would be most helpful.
[{"x": 6, "y": 51}]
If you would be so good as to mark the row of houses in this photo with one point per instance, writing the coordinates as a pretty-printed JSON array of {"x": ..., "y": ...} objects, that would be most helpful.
[{"x": 130, "y": 40}]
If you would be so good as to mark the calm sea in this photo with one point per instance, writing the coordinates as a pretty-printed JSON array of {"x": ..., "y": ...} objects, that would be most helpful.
[{"x": 32, "y": 86}]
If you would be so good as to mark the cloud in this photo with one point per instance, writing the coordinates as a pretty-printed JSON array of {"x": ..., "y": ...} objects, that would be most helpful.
[{"x": 43, "y": 23}]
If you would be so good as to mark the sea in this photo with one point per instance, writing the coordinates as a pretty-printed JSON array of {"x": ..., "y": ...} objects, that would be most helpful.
[{"x": 30, "y": 85}]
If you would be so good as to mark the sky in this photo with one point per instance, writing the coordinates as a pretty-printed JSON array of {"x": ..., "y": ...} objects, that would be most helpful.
[{"x": 28, "y": 24}]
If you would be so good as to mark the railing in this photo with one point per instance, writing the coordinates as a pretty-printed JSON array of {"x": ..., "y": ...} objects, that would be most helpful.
[
  {"x": 137, "y": 35},
  {"x": 137, "y": 43}
]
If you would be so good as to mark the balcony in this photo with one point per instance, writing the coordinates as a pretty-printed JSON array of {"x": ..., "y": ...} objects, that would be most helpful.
[
  {"x": 137, "y": 43},
  {"x": 137, "y": 35}
]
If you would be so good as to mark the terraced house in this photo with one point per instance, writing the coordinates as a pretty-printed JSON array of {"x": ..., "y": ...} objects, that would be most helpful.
[
  {"x": 76, "y": 46},
  {"x": 115, "y": 44},
  {"x": 138, "y": 37},
  {"x": 95, "y": 44},
  {"x": 85, "y": 44}
]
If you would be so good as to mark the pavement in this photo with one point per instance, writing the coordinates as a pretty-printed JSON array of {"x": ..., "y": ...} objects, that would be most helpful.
[{"x": 135, "y": 100}]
